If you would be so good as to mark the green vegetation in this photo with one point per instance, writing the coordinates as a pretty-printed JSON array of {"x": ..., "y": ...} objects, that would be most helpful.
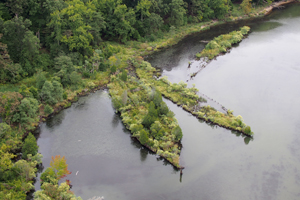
[
  {"x": 50, "y": 188},
  {"x": 52, "y": 51},
  {"x": 188, "y": 99},
  {"x": 227, "y": 120},
  {"x": 48, "y": 110},
  {"x": 16, "y": 174},
  {"x": 145, "y": 114},
  {"x": 30, "y": 146},
  {"x": 222, "y": 43}
]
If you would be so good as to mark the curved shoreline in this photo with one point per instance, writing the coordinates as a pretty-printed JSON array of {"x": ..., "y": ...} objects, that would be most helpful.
[
  {"x": 269, "y": 9},
  {"x": 176, "y": 38}
]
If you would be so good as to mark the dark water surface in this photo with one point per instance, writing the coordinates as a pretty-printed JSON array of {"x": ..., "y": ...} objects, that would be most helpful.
[{"x": 259, "y": 80}]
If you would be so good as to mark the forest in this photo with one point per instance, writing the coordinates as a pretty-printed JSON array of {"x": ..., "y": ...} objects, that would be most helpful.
[{"x": 54, "y": 50}]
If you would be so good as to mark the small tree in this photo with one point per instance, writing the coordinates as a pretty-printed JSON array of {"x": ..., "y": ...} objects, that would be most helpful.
[
  {"x": 143, "y": 136},
  {"x": 27, "y": 111},
  {"x": 46, "y": 93},
  {"x": 30, "y": 146},
  {"x": 178, "y": 133},
  {"x": 4, "y": 130},
  {"x": 9, "y": 104},
  {"x": 163, "y": 109},
  {"x": 151, "y": 116},
  {"x": 58, "y": 91},
  {"x": 157, "y": 99},
  {"x": 52, "y": 93},
  {"x": 58, "y": 169}
]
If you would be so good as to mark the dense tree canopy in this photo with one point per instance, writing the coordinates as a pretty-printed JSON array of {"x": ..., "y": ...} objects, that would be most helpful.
[{"x": 75, "y": 28}]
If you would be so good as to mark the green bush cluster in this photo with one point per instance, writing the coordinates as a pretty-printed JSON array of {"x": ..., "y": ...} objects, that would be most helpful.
[
  {"x": 227, "y": 120},
  {"x": 29, "y": 146},
  {"x": 18, "y": 175},
  {"x": 221, "y": 43}
]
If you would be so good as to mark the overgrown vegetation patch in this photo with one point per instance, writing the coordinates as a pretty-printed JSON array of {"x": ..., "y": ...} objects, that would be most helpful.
[
  {"x": 222, "y": 43},
  {"x": 147, "y": 117},
  {"x": 53, "y": 51},
  {"x": 189, "y": 100}
]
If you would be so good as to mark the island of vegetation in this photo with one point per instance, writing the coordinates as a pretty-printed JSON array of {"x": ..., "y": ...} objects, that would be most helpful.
[
  {"x": 52, "y": 51},
  {"x": 222, "y": 43}
]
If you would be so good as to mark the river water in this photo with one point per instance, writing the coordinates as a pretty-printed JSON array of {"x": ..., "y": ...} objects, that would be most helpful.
[{"x": 258, "y": 79}]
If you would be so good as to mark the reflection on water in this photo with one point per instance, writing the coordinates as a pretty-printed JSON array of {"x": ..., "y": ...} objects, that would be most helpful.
[
  {"x": 55, "y": 121},
  {"x": 258, "y": 80},
  {"x": 266, "y": 26}
]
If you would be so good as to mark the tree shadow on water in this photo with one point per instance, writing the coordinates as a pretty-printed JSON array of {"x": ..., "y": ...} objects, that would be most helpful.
[
  {"x": 55, "y": 120},
  {"x": 144, "y": 153},
  {"x": 115, "y": 120},
  {"x": 246, "y": 138}
]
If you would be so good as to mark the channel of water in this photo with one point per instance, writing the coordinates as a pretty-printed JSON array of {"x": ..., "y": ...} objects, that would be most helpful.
[{"x": 259, "y": 80}]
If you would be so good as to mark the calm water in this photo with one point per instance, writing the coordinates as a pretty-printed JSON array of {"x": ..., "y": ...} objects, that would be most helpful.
[{"x": 257, "y": 80}]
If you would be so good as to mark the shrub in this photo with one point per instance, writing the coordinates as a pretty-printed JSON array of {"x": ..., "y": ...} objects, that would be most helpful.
[
  {"x": 75, "y": 78},
  {"x": 34, "y": 92},
  {"x": 47, "y": 175},
  {"x": 116, "y": 103},
  {"x": 86, "y": 74},
  {"x": 136, "y": 127},
  {"x": 247, "y": 130},
  {"x": 124, "y": 76},
  {"x": 65, "y": 95},
  {"x": 52, "y": 93},
  {"x": 4, "y": 129},
  {"x": 113, "y": 69},
  {"x": 124, "y": 98},
  {"x": 30, "y": 146},
  {"x": 157, "y": 99},
  {"x": 48, "y": 110}
]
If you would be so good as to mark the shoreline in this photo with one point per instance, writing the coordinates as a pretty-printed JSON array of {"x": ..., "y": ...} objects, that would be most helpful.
[
  {"x": 176, "y": 38},
  {"x": 279, "y": 4},
  {"x": 268, "y": 10},
  {"x": 204, "y": 28}
]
